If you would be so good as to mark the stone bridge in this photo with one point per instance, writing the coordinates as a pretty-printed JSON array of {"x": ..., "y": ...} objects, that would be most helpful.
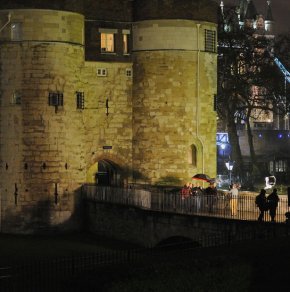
[{"x": 149, "y": 227}]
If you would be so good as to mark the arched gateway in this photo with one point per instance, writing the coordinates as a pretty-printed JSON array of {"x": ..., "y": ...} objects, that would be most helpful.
[{"x": 108, "y": 174}]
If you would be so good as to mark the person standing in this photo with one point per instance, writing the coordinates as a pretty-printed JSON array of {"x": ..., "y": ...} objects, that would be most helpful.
[
  {"x": 261, "y": 203},
  {"x": 273, "y": 200},
  {"x": 185, "y": 191},
  {"x": 211, "y": 195},
  {"x": 234, "y": 192},
  {"x": 185, "y": 195},
  {"x": 197, "y": 193}
]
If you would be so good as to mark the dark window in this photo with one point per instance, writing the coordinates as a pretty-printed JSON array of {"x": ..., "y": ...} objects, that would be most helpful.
[
  {"x": 192, "y": 155},
  {"x": 55, "y": 99},
  {"x": 80, "y": 100},
  {"x": 210, "y": 40}
]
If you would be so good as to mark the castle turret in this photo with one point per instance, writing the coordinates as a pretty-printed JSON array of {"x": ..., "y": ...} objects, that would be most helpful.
[
  {"x": 250, "y": 15},
  {"x": 269, "y": 20},
  {"x": 175, "y": 49},
  {"x": 40, "y": 50},
  {"x": 242, "y": 11}
]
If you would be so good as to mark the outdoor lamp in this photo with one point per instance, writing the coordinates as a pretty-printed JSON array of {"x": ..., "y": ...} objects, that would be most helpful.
[{"x": 230, "y": 166}]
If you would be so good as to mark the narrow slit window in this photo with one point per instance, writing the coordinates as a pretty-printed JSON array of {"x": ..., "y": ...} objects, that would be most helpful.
[
  {"x": 125, "y": 44},
  {"x": 16, "y": 31},
  {"x": 192, "y": 155},
  {"x": 80, "y": 100}
]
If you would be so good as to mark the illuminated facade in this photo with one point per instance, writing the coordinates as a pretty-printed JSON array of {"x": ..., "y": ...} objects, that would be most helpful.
[{"x": 107, "y": 92}]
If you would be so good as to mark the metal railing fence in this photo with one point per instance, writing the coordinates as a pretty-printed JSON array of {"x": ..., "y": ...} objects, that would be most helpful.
[
  {"x": 201, "y": 204},
  {"x": 60, "y": 274}
]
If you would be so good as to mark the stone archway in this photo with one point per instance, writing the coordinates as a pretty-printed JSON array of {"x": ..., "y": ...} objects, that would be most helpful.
[{"x": 108, "y": 173}]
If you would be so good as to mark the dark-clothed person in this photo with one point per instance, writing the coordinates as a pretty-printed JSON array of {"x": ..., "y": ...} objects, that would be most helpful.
[
  {"x": 211, "y": 194},
  {"x": 197, "y": 195},
  {"x": 261, "y": 202},
  {"x": 273, "y": 200}
]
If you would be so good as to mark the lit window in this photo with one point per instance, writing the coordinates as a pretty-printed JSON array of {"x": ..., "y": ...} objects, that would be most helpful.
[
  {"x": 210, "y": 40},
  {"x": 280, "y": 166},
  {"x": 16, "y": 34},
  {"x": 107, "y": 43},
  {"x": 192, "y": 155},
  {"x": 125, "y": 44}
]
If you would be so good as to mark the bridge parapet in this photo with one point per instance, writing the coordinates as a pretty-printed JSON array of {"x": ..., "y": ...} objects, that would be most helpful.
[
  {"x": 138, "y": 220},
  {"x": 201, "y": 204}
]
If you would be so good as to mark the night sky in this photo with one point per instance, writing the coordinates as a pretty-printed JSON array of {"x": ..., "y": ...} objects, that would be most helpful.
[{"x": 280, "y": 11}]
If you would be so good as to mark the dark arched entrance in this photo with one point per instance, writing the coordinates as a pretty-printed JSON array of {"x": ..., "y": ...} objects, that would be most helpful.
[{"x": 109, "y": 174}]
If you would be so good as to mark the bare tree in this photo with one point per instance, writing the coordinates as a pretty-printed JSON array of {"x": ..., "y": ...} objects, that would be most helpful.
[{"x": 248, "y": 83}]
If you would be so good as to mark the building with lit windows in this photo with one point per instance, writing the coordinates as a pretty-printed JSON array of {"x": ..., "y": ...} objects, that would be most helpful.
[
  {"x": 271, "y": 132},
  {"x": 114, "y": 92}
]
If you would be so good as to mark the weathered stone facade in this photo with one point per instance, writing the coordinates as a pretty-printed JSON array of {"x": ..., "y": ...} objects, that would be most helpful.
[
  {"x": 155, "y": 126},
  {"x": 149, "y": 228},
  {"x": 175, "y": 84}
]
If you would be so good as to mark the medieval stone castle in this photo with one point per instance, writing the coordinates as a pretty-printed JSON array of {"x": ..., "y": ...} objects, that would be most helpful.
[{"x": 113, "y": 92}]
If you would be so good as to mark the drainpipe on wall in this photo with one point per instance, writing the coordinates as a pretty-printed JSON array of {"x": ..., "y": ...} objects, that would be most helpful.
[
  {"x": 197, "y": 96},
  {"x": 9, "y": 18}
]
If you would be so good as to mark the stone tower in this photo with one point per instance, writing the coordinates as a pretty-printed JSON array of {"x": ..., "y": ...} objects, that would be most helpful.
[
  {"x": 107, "y": 92},
  {"x": 174, "y": 122},
  {"x": 40, "y": 127}
]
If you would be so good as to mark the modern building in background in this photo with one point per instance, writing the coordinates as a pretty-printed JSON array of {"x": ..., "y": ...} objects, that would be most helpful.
[
  {"x": 271, "y": 133},
  {"x": 114, "y": 92}
]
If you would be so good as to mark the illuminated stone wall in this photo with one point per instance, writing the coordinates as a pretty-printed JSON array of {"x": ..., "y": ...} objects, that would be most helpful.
[
  {"x": 37, "y": 154},
  {"x": 174, "y": 87},
  {"x": 47, "y": 150},
  {"x": 145, "y": 124},
  {"x": 110, "y": 126}
]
